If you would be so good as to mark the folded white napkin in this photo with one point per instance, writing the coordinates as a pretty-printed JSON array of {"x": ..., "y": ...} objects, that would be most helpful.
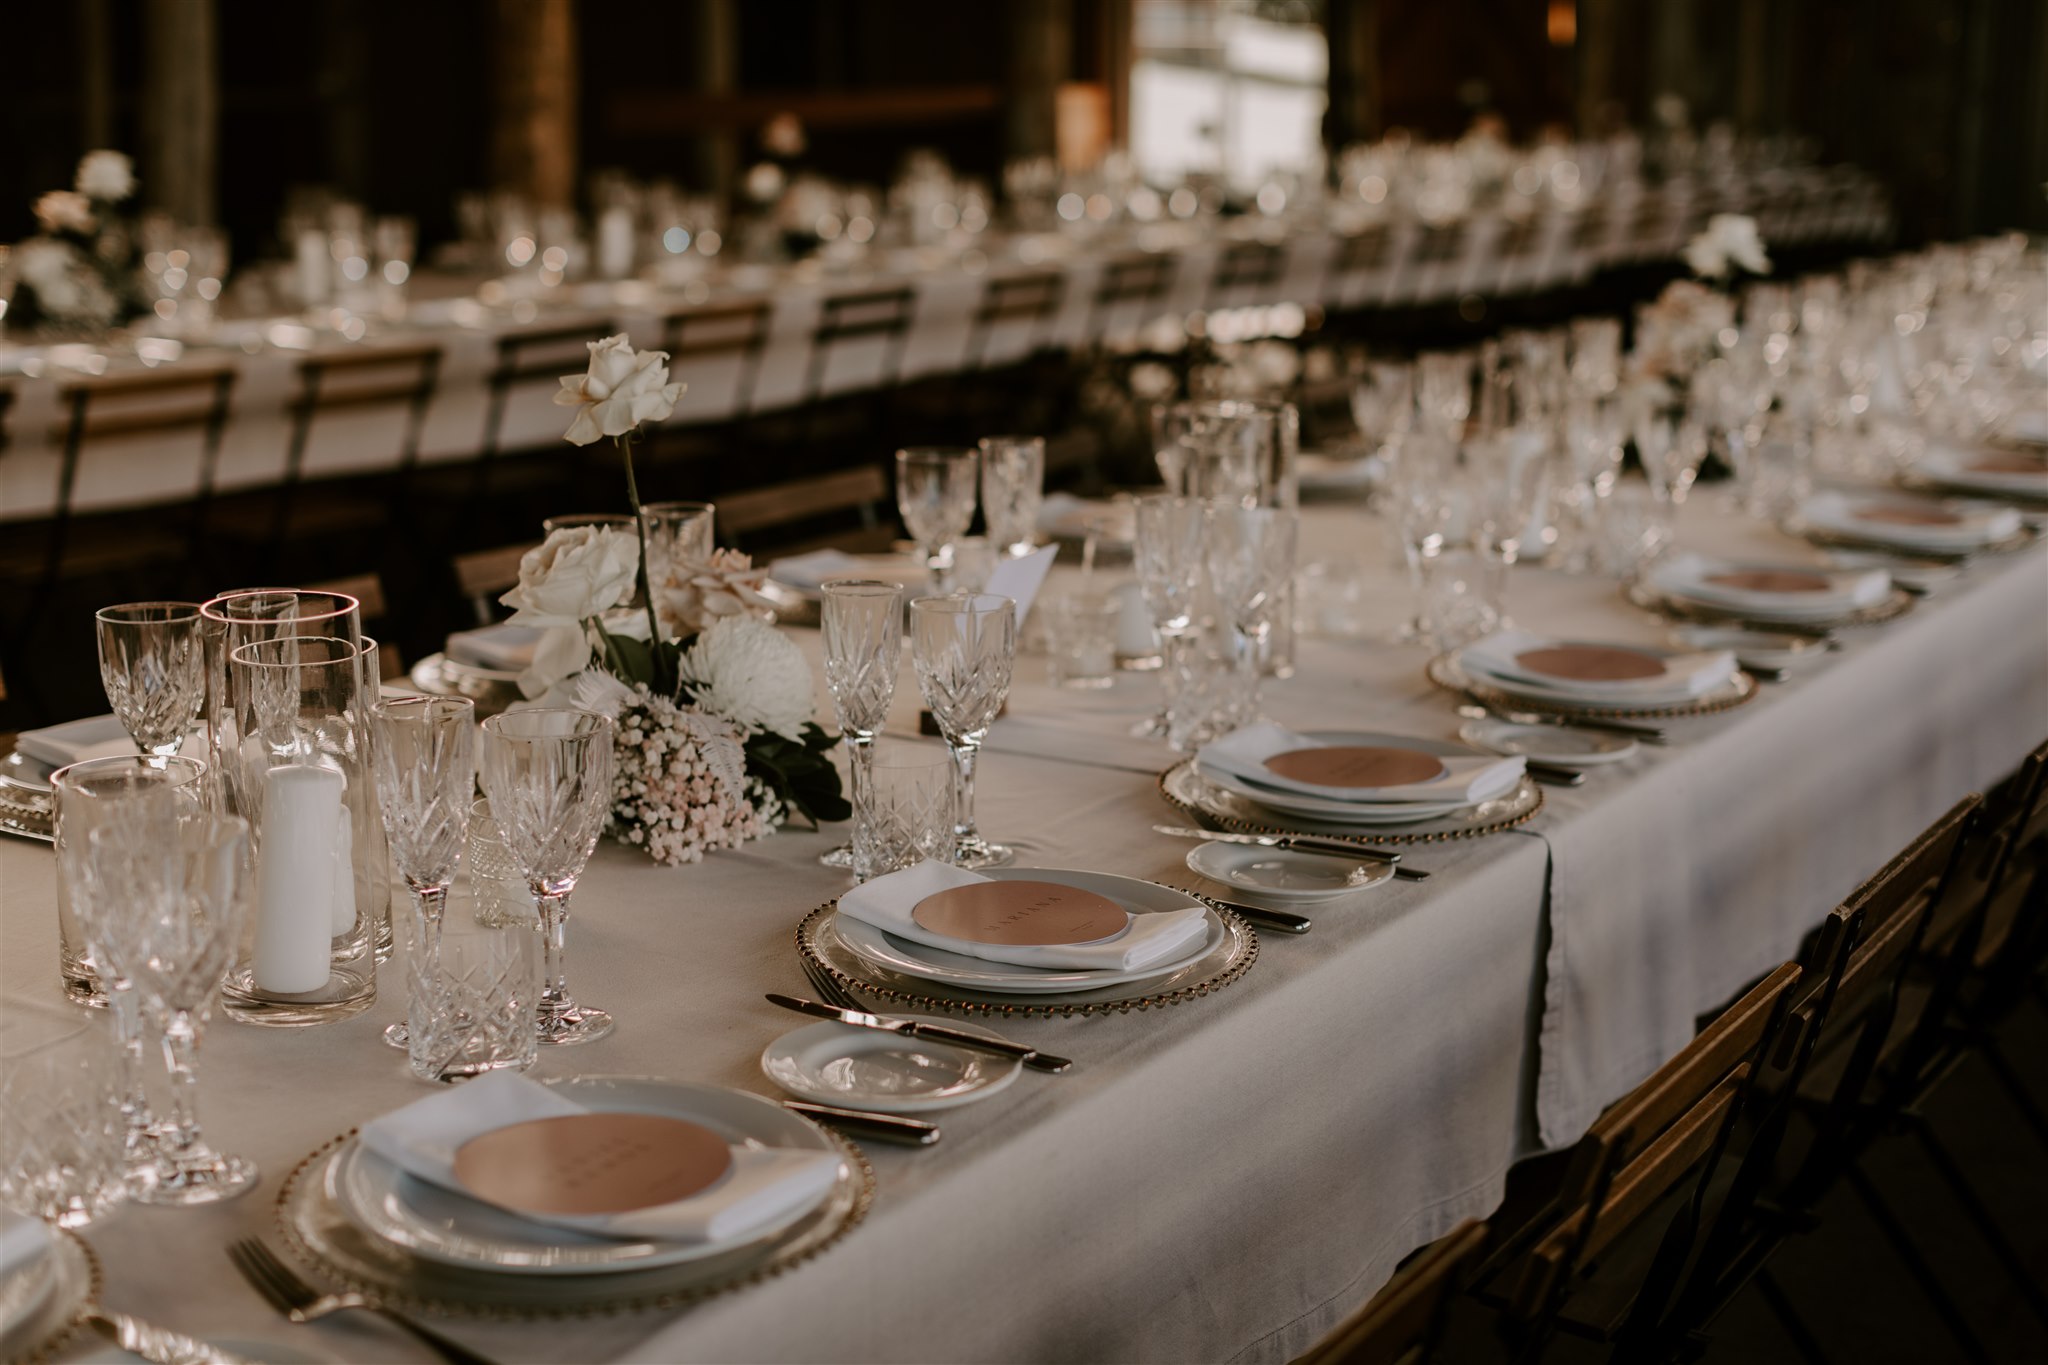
[
  {"x": 810, "y": 571},
  {"x": 886, "y": 903},
  {"x": 1976, "y": 526},
  {"x": 1494, "y": 659},
  {"x": 23, "y": 1241},
  {"x": 1689, "y": 576},
  {"x": 1243, "y": 754},
  {"x": 503, "y": 647},
  {"x": 76, "y": 740},
  {"x": 1020, "y": 577},
  {"x": 764, "y": 1185}
]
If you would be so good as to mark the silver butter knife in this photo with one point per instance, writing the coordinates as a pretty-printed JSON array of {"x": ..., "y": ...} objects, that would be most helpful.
[
  {"x": 862, "y": 1123},
  {"x": 1304, "y": 843},
  {"x": 159, "y": 1345},
  {"x": 917, "y": 1028}
]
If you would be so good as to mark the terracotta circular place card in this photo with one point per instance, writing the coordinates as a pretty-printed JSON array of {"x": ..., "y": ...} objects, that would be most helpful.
[
  {"x": 2009, "y": 464},
  {"x": 1022, "y": 914},
  {"x": 1898, "y": 514},
  {"x": 586, "y": 1164},
  {"x": 1771, "y": 580},
  {"x": 1356, "y": 765},
  {"x": 1591, "y": 663}
]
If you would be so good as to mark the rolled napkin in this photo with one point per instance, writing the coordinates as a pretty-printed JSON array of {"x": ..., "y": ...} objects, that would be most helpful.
[
  {"x": 1524, "y": 662},
  {"x": 1782, "y": 591},
  {"x": 887, "y": 903},
  {"x": 506, "y": 648},
  {"x": 75, "y": 741},
  {"x": 23, "y": 1241},
  {"x": 1243, "y": 754},
  {"x": 811, "y": 571},
  {"x": 1913, "y": 523},
  {"x": 763, "y": 1186}
]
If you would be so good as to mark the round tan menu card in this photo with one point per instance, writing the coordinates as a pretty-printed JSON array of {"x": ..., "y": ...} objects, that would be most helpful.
[
  {"x": 1898, "y": 514},
  {"x": 1771, "y": 580},
  {"x": 1591, "y": 663},
  {"x": 1021, "y": 914},
  {"x": 581, "y": 1164},
  {"x": 1356, "y": 765}
]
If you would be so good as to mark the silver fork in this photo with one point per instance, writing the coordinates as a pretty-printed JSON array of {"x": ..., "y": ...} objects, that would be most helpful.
[
  {"x": 828, "y": 988},
  {"x": 301, "y": 1302}
]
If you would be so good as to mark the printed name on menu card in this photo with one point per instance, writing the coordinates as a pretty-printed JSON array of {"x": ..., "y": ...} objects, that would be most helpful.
[
  {"x": 592, "y": 1163},
  {"x": 1021, "y": 914}
]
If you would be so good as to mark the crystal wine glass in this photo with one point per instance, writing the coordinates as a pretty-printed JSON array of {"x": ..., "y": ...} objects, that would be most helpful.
[
  {"x": 862, "y": 625},
  {"x": 548, "y": 774},
  {"x": 1249, "y": 563},
  {"x": 1012, "y": 490},
  {"x": 174, "y": 891},
  {"x": 424, "y": 753},
  {"x": 153, "y": 666},
  {"x": 965, "y": 645},
  {"x": 935, "y": 494},
  {"x": 1167, "y": 552}
]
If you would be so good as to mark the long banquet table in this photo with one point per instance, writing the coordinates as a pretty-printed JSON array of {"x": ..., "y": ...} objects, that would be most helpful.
[{"x": 1223, "y": 1179}]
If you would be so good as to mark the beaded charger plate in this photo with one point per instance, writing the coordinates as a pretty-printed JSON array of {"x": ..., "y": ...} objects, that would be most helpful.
[
  {"x": 44, "y": 1304},
  {"x": 1644, "y": 594},
  {"x": 1739, "y": 688},
  {"x": 311, "y": 1216},
  {"x": 1817, "y": 535},
  {"x": 1229, "y": 956},
  {"x": 1187, "y": 791}
]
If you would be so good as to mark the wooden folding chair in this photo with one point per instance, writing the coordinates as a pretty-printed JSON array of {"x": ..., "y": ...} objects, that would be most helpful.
[
  {"x": 695, "y": 335},
  {"x": 525, "y": 360},
  {"x": 368, "y": 590},
  {"x": 486, "y": 575},
  {"x": 1611, "y": 1257},
  {"x": 1027, "y": 301},
  {"x": 1142, "y": 282},
  {"x": 762, "y": 518},
  {"x": 1362, "y": 253},
  {"x": 1245, "y": 273},
  {"x": 880, "y": 316},
  {"x": 1404, "y": 1321}
]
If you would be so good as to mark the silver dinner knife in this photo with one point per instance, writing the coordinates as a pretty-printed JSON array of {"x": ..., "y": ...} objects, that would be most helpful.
[
  {"x": 862, "y": 1123},
  {"x": 1305, "y": 843},
  {"x": 159, "y": 1345},
  {"x": 917, "y": 1028}
]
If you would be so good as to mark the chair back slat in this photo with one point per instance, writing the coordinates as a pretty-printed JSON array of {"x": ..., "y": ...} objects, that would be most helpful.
[
  {"x": 143, "y": 404},
  {"x": 799, "y": 500},
  {"x": 1029, "y": 297},
  {"x": 1247, "y": 265},
  {"x": 878, "y": 312},
  {"x": 1403, "y": 1321},
  {"x": 484, "y": 576},
  {"x": 545, "y": 353}
]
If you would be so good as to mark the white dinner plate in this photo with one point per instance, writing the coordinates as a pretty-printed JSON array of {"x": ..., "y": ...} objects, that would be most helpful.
[
  {"x": 900, "y": 955},
  {"x": 46, "y": 1296},
  {"x": 864, "y": 1068},
  {"x": 1754, "y": 648},
  {"x": 1556, "y": 745},
  {"x": 1283, "y": 874},
  {"x": 1348, "y": 812},
  {"x": 437, "y": 1224}
]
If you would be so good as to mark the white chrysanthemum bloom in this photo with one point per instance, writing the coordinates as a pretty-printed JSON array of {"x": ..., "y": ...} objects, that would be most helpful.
[
  {"x": 749, "y": 672},
  {"x": 105, "y": 175},
  {"x": 696, "y": 592},
  {"x": 621, "y": 389},
  {"x": 578, "y": 572},
  {"x": 64, "y": 211},
  {"x": 1730, "y": 239}
]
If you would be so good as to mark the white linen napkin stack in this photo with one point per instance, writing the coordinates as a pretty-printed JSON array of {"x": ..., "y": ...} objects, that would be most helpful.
[
  {"x": 76, "y": 740},
  {"x": 1494, "y": 659},
  {"x": 1689, "y": 577},
  {"x": 886, "y": 903},
  {"x": 1978, "y": 525},
  {"x": 1243, "y": 754},
  {"x": 764, "y": 1185}
]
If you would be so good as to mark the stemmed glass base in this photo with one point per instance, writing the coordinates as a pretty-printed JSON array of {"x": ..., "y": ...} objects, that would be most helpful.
[
  {"x": 397, "y": 1035},
  {"x": 841, "y": 856},
  {"x": 198, "y": 1175},
  {"x": 972, "y": 851},
  {"x": 573, "y": 1025}
]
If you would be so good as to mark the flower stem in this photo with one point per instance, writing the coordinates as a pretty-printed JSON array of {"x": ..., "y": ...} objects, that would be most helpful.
[{"x": 654, "y": 654}]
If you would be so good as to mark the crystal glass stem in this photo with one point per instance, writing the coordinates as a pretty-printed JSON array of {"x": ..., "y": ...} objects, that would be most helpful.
[
  {"x": 965, "y": 835},
  {"x": 125, "y": 1011},
  {"x": 556, "y": 1008},
  {"x": 180, "y": 1128}
]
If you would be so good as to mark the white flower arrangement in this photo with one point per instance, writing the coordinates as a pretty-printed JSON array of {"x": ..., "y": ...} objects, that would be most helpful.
[
  {"x": 79, "y": 273},
  {"x": 715, "y": 743},
  {"x": 1729, "y": 240}
]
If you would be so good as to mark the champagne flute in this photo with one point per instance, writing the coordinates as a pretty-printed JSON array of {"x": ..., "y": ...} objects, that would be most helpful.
[
  {"x": 548, "y": 774},
  {"x": 424, "y": 752},
  {"x": 935, "y": 494},
  {"x": 153, "y": 667},
  {"x": 965, "y": 646},
  {"x": 862, "y": 625},
  {"x": 1012, "y": 490},
  {"x": 1167, "y": 552}
]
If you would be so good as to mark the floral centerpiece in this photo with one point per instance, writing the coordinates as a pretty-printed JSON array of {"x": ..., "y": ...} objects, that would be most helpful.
[
  {"x": 715, "y": 741},
  {"x": 77, "y": 276}
]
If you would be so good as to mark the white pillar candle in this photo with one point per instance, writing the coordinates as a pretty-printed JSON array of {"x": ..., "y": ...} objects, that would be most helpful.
[
  {"x": 1134, "y": 637},
  {"x": 615, "y": 243},
  {"x": 341, "y": 909},
  {"x": 295, "y": 878},
  {"x": 314, "y": 266}
]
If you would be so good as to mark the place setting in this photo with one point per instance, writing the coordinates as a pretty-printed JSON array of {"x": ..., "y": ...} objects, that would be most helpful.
[
  {"x": 1947, "y": 529},
  {"x": 1590, "y": 683},
  {"x": 1787, "y": 598},
  {"x": 2004, "y": 469}
]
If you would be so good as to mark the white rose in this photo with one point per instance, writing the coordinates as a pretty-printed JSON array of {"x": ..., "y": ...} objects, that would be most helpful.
[
  {"x": 1730, "y": 239},
  {"x": 622, "y": 389},
  {"x": 577, "y": 573},
  {"x": 750, "y": 673},
  {"x": 559, "y": 654},
  {"x": 105, "y": 175},
  {"x": 64, "y": 211}
]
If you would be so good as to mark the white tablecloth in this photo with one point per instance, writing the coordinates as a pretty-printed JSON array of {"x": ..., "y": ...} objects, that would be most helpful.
[{"x": 1223, "y": 1179}]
